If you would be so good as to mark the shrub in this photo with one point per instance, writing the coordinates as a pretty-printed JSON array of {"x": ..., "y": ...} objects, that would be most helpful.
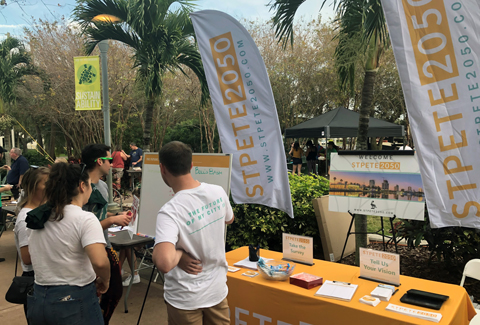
[
  {"x": 454, "y": 245},
  {"x": 35, "y": 158},
  {"x": 261, "y": 225}
]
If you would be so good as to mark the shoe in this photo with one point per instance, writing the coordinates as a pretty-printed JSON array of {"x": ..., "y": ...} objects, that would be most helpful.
[{"x": 136, "y": 279}]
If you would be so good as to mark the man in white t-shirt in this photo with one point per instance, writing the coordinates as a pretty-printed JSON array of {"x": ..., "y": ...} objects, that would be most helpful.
[{"x": 189, "y": 243}]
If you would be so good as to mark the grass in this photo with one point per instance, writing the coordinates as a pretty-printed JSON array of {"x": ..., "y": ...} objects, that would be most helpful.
[{"x": 374, "y": 224}]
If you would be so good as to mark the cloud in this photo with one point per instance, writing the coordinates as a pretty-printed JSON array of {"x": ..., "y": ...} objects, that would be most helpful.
[{"x": 12, "y": 26}]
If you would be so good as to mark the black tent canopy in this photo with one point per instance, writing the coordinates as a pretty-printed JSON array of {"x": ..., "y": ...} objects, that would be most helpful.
[{"x": 342, "y": 123}]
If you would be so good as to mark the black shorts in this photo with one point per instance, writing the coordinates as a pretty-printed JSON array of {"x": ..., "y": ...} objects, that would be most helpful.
[{"x": 297, "y": 161}]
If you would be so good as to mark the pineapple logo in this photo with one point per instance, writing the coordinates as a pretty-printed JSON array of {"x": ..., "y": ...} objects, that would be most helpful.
[{"x": 86, "y": 74}]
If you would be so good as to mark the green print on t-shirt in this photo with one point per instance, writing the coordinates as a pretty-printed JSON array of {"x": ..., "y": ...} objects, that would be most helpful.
[{"x": 204, "y": 211}]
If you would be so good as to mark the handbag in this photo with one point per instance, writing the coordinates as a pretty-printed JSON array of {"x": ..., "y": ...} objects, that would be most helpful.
[
  {"x": 20, "y": 287},
  {"x": 17, "y": 293}
]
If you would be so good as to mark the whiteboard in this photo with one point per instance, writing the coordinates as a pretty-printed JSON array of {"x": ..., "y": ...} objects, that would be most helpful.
[{"x": 208, "y": 168}]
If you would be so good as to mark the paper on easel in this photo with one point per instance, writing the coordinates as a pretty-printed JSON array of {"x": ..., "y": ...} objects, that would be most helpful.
[
  {"x": 423, "y": 314},
  {"x": 132, "y": 226}
]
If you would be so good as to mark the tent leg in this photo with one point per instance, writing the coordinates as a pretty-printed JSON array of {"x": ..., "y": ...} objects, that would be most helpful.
[{"x": 326, "y": 160}]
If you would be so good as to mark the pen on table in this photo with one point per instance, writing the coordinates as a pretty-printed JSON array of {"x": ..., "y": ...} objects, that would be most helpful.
[
  {"x": 394, "y": 292},
  {"x": 341, "y": 282}
]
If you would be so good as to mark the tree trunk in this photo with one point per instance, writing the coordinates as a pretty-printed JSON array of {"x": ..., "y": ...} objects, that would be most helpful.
[
  {"x": 51, "y": 147},
  {"x": 69, "y": 147},
  {"x": 362, "y": 139},
  {"x": 148, "y": 123},
  {"x": 377, "y": 145},
  {"x": 39, "y": 135},
  {"x": 365, "y": 109},
  {"x": 8, "y": 146}
]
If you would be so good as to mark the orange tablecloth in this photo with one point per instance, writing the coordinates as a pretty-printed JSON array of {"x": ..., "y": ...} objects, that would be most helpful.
[{"x": 260, "y": 301}]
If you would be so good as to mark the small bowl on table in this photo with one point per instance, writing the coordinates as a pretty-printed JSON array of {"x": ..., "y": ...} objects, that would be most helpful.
[{"x": 275, "y": 270}]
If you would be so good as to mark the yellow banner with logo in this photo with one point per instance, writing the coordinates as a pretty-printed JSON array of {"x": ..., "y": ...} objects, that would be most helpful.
[{"x": 87, "y": 83}]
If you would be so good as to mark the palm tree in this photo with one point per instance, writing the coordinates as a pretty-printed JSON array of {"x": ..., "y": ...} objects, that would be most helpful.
[
  {"x": 162, "y": 41},
  {"x": 358, "y": 20},
  {"x": 15, "y": 62}
]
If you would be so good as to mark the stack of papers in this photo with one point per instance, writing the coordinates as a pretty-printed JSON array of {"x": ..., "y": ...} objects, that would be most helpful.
[
  {"x": 369, "y": 300},
  {"x": 249, "y": 265},
  {"x": 337, "y": 290},
  {"x": 383, "y": 292},
  {"x": 423, "y": 314}
]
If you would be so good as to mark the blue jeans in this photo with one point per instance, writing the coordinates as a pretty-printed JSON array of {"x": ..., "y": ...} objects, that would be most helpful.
[{"x": 55, "y": 305}]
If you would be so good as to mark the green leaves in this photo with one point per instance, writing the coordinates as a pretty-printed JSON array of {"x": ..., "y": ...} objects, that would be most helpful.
[
  {"x": 258, "y": 224},
  {"x": 452, "y": 245},
  {"x": 160, "y": 37}
]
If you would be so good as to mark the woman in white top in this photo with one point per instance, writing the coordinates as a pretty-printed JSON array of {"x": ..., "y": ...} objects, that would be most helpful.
[
  {"x": 67, "y": 249},
  {"x": 33, "y": 185}
]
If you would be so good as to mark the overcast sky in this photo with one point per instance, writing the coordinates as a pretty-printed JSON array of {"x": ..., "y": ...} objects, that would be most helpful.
[{"x": 14, "y": 17}]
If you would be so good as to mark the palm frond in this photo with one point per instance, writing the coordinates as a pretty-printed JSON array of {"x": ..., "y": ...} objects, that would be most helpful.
[
  {"x": 106, "y": 31},
  {"x": 285, "y": 11},
  {"x": 374, "y": 23},
  {"x": 190, "y": 57},
  {"x": 86, "y": 11}
]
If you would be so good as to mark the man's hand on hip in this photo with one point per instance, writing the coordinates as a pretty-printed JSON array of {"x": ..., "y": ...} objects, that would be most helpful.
[{"x": 190, "y": 264}]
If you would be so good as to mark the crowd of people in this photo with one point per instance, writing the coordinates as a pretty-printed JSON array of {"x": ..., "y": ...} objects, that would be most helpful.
[
  {"x": 316, "y": 156},
  {"x": 62, "y": 240}
]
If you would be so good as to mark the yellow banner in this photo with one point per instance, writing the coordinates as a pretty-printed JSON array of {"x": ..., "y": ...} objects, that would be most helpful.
[{"x": 87, "y": 83}]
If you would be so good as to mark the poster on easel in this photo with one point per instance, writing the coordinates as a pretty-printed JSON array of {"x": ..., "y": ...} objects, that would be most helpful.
[
  {"x": 208, "y": 168},
  {"x": 377, "y": 183}
]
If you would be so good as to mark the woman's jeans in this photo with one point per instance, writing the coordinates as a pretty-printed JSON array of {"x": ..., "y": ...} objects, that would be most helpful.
[
  {"x": 29, "y": 273},
  {"x": 55, "y": 305}
]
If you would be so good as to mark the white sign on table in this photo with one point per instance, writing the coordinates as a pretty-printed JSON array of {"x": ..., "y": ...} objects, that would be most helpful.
[
  {"x": 298, "y": 248},
  {"x": 380, "y": 266}
]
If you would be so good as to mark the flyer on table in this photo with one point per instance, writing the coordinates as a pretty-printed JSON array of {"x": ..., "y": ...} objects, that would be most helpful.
[{"x": 436, "y": 45}]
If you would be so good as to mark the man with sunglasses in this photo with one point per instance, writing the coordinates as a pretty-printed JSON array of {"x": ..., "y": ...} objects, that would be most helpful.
[{"x": 97, "y": 161}]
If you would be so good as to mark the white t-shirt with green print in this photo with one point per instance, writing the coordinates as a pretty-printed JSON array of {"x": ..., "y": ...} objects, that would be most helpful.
[{"x": 194, "y": 220}]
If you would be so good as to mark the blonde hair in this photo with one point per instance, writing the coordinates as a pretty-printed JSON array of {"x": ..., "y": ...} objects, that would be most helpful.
[
  {"x": 61, "y": 160},
  {"x": 29, "y": 184}
]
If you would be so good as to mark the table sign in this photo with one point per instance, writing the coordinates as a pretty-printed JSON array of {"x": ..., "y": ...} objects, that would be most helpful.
[
  {"x": 132, "y": 226},
  {"x": 298, "y": 249},
  {"x": 380, "y": 266}
]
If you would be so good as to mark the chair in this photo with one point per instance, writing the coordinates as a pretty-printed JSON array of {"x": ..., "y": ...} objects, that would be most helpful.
[
  {"x": 472, "y": 270},
  {"x": 146, "y": 261}
]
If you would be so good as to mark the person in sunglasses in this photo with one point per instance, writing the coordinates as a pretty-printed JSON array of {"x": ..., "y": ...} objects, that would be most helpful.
[{"x": 98, "y": 161}]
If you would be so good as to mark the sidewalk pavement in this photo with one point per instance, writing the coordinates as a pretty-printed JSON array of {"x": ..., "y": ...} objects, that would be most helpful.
[{"x": 155, "y": 311}]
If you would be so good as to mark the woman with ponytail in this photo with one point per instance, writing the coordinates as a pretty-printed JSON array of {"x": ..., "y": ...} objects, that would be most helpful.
[
  {"x": 33, "y": 185},
  {"x": 67, "y": 250}
]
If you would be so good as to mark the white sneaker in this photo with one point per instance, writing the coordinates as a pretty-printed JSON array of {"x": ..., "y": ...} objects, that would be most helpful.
[{"x": 136, "y": 279}]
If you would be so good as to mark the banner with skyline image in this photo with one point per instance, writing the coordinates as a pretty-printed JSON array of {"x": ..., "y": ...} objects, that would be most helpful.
[{"x": 380, "y": 185}]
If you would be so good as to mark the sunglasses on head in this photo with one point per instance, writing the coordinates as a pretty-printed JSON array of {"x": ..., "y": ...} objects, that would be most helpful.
[
  {"x": 83, "y": 168},
  {"x": 104, "y": 158}
]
